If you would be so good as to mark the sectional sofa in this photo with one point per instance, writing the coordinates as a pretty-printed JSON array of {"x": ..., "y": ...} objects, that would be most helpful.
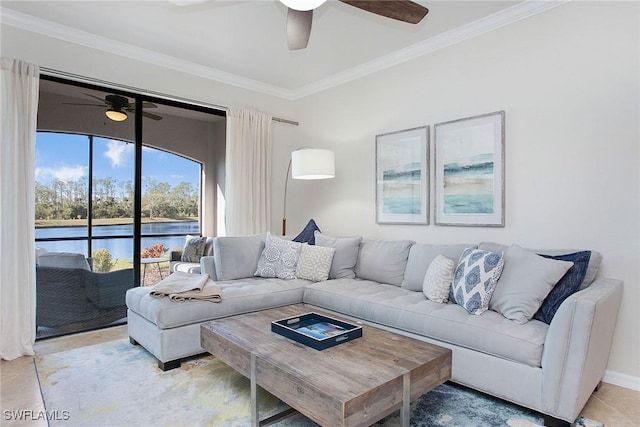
[{"x": 550, "y": 366}]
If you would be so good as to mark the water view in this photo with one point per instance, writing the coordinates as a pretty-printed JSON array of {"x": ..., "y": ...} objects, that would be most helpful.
[
  {"x": 80, "y": 176},
  {"x": 120, "y": 248}
]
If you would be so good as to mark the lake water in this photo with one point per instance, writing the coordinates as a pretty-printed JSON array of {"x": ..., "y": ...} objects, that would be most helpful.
[{"x": 121, "y": 248}]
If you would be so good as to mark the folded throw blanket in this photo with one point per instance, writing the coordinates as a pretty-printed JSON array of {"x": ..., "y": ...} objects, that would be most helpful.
[
  {"x": 211, "y": 292},
  {"x": 179, "y": 282},
  {"x": 180, "y": 287}
]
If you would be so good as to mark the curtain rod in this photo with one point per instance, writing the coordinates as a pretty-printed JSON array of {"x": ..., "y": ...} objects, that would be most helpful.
[{"x": 82, "y": 79}]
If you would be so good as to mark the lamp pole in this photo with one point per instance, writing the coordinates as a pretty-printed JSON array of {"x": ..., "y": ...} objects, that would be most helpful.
[{"x": 284, "y": 210}]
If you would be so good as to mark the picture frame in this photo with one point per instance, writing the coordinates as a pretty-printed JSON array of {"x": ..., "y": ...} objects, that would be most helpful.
[
  {"x": 469, "y": 171},
  {"x": 402, "y": 177}
]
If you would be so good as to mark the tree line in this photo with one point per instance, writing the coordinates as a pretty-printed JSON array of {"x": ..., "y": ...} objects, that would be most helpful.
[{"x": 113, "y": 198}]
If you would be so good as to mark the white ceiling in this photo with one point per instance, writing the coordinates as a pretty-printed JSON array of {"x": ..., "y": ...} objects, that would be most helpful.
[{"x": 244, "y": 42}]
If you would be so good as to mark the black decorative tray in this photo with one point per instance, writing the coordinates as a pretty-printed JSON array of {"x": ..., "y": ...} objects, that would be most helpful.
[{"x": 316, "y": 330}]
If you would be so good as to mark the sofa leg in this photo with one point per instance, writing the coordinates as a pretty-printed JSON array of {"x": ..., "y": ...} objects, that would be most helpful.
[
  {"x": 550, "y": 421},
  {"x": 167, "y": 366},
  {"x": 133, "y": 342},
  {"x": 599, "y": 386}
]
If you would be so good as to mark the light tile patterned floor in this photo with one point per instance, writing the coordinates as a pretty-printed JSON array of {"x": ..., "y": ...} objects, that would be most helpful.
[{"x": 19, "y": 390}]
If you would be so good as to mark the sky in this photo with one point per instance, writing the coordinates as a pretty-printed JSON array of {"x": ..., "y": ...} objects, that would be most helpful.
[{"x": 65, "y": 157}]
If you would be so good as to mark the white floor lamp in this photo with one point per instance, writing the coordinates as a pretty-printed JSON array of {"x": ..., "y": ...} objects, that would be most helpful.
[{"x": 307, "y": 163}]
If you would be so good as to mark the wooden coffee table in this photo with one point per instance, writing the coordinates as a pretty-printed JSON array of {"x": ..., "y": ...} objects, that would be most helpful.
[{"x": 352, "y": 384}]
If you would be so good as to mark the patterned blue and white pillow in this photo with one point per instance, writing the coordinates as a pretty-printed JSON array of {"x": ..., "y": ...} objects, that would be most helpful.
[
  {"x": 475, "y": 279},
  {"x": 279, "y": 258}
]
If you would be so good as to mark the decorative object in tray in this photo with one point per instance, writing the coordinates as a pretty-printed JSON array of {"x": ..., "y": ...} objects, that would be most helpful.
[{"x": 316, "y": 330}]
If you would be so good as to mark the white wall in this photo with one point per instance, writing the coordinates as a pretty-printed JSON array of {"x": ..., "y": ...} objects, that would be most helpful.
[{"x": 568, "y": 81}]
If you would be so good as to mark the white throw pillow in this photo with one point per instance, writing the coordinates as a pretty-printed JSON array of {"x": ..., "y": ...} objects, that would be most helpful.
[
  {"x": 438, "y": 278},
  {"x": 314, "y": 263},
  {"x": 279, "y": 258}
]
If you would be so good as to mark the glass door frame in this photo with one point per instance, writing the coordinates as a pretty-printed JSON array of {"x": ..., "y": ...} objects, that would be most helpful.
[{"x": 138, "y": 138}]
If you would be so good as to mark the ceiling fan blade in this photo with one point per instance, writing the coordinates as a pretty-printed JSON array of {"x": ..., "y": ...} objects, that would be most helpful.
[
  {"x": 149, "y": 105},
  {"x": 298, "y": 28},
  {"x": 95, "y": 97},
  {"x": 151, "y": 116},
  {"x": 86, "y": 105},
  {"x": 401, "y": 10}
]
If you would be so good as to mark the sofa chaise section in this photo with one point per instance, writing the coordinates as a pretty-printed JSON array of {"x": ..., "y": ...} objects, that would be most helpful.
[{"x": 171, "y": 330}]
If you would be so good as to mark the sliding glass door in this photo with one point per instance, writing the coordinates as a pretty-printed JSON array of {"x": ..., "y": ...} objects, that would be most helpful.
[{"x": 114, "y": 196}]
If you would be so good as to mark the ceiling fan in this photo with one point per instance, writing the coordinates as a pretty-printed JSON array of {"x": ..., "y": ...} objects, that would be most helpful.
[
  {"x": 300, "y": 14},
  {"x": 118, "y": 106}
]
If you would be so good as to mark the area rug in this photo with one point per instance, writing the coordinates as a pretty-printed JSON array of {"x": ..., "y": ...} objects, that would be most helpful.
[{"x": 119, "y": 384}]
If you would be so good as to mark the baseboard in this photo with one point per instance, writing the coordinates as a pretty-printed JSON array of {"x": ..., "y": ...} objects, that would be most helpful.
[{"x": 622, "y": 380}]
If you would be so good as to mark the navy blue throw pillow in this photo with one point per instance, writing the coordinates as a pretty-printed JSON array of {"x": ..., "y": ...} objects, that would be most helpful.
[
  {"x": 569, "y": 284},
  {"x": 306, "y": 235}
]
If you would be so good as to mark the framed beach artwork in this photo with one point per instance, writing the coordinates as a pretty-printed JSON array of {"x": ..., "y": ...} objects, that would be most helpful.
[
  {"x": 402, "y": 177},
  {"x": 469, "y": 171}
]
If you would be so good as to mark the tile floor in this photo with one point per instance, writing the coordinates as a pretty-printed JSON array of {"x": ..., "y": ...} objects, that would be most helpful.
[{"x": 19, "y": 390}]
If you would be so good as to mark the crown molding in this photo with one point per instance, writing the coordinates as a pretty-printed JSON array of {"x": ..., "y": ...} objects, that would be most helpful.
[
  {"x": 481, "y": 26},
  {"x": 468, "y": 31},
  {"x": 83, "y": 38}
]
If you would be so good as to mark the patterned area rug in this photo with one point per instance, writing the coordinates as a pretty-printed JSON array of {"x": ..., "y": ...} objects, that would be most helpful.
[{"x": 118, "y": 384}]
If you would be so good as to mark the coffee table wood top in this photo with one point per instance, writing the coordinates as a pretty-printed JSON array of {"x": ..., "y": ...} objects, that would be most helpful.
[{"x": 355, "y": 383}]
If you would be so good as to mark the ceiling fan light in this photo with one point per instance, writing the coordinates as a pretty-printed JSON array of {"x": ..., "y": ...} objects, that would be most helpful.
[
  {"x": 303, "y": 5},
  {"x": 116, "y": 115}
]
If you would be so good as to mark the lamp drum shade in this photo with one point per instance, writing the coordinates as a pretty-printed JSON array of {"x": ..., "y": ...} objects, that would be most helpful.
[{"x": 312, "y": 163}]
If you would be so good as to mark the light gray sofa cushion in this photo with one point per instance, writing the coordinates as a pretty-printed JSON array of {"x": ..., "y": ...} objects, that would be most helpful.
[
  {"x": 240, "y": 296},
  {"x": 592, "y": 269},
  {"x": 237, "y": 257},
  {"x": 345, "y": 257},
  {"x": 410, "y": 311},
  {"x": 383, "y": 261},
  {"x": 526, "y": 280},
  {"x": 421, "y": 256}
]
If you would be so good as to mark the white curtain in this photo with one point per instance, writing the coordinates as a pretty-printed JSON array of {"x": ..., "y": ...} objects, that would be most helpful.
[
  {"x": 247, "y": 172},
  {"x": 18, "y": 111}
]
